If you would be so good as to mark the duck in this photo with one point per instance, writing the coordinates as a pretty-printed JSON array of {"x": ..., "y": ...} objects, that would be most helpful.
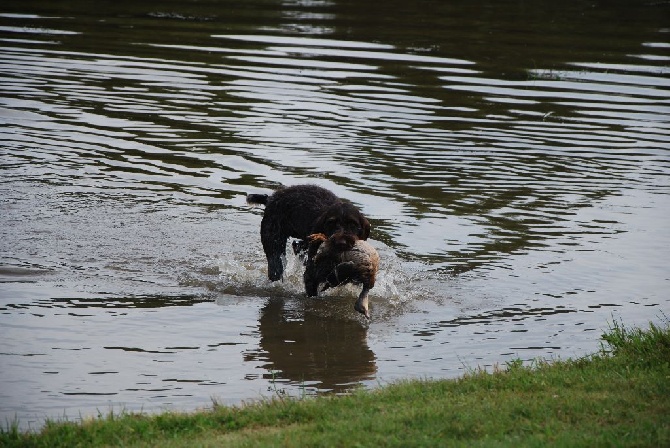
[{"x": 329, "y": 266}]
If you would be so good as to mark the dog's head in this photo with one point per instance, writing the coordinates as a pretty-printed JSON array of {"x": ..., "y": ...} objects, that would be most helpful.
[{"x": 343, "y": 224}]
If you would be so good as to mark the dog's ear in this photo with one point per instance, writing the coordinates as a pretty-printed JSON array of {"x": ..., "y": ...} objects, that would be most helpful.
[
  {"x": 319, "y": 225},
  {"x": 365, "y": 228}
]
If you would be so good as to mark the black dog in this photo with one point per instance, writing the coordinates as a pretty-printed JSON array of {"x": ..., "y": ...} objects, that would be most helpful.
[{"x": 301, "y": 210}]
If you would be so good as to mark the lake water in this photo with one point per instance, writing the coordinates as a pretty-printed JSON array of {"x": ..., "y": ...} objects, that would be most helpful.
[{"x": 513, "y": 159}]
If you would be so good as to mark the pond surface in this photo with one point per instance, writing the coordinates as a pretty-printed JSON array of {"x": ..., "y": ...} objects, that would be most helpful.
[{"x": 513, "y": 158}]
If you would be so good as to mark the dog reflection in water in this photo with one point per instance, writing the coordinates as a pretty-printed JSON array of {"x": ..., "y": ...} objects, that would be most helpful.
[{"x": 328, "y": 265}]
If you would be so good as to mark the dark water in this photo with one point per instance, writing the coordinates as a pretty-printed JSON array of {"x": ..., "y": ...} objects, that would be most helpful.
[{"x": 513, "y": 158}]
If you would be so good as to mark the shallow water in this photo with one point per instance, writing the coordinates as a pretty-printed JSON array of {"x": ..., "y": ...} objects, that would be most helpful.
[{"x": 512, "y": 158}]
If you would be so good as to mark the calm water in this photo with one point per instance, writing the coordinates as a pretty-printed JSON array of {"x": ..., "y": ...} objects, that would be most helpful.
[{"x": 513, "y": 158}]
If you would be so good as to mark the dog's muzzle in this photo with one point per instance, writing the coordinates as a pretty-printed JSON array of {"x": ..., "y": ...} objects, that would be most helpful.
[{"x": 343, "y": 241}]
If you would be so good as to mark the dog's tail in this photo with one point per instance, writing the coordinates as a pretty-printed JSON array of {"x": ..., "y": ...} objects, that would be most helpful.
[{"x": 257, "y": 199}]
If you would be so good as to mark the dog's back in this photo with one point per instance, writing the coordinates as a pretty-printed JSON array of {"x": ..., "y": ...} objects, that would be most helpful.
[{"x": 295, "y": 209}]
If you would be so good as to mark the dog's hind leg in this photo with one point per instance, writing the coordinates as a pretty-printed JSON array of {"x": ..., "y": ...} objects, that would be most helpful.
[{"x": 274, "y": 245}]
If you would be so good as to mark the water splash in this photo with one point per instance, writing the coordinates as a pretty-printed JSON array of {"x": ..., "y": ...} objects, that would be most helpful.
[{"x": 243, "y": 274}]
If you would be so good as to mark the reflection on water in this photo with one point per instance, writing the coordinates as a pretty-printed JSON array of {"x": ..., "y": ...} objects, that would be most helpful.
[
  {"x": 327, "y": 352},
  {"x": 513, "y": 159}
]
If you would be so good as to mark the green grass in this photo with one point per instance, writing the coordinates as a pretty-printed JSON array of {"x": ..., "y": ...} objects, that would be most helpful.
[{"x": 617, "y": 397}]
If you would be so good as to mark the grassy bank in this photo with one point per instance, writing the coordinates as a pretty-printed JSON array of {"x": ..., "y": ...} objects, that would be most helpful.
[{"x": 617, "y": 397}]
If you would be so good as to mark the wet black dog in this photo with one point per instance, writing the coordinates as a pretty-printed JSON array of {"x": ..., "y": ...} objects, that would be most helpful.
[{"x": 301, "y": 210}]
